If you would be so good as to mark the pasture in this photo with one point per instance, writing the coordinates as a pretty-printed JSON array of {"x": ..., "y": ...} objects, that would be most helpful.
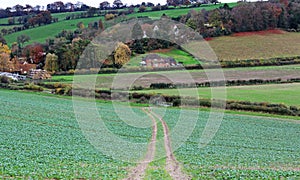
[
  {"x": 179, "y": 56},
  {"x": 41, "y": 139},
  {"x": 274, "y": 93}
]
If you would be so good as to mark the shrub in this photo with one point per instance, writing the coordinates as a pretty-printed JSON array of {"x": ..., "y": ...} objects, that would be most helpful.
[
  {"x": 4, "y": 79},
  {"x": 33, "y": 87},
  {"x": 142, "y": 9},
  {"x": 109, "y": 17}
]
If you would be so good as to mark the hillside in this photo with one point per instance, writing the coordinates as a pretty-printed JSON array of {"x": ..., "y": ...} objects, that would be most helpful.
[{"x": 40, "y": 34}]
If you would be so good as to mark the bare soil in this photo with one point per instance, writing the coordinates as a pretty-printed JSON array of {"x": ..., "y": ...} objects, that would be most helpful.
[
  {"x": 139, "y": 172},
  {"x": 172, "y": 165}
]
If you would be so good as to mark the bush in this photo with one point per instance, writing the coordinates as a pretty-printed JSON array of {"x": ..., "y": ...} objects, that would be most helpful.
[
  {"x": 33, "y": 87},
  {"x": 4, "y": 79},
  {"x": 142, "y": 9},
  {"x": 109, "y": 17}
]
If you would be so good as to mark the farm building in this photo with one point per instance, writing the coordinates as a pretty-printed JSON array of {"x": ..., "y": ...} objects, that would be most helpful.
[
  {"x": 39, "y": 74},
  {"x": 154, "y": 60}
]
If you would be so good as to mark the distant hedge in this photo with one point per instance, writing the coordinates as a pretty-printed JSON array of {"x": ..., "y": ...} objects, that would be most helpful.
[
  {"x": 64, "y": 89},
  {"x": 161, "y": 85},
  {"x": 206, "y": 65}
]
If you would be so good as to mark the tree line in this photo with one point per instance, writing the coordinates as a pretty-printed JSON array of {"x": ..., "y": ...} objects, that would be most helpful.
[{"x": 245, "y": 17}]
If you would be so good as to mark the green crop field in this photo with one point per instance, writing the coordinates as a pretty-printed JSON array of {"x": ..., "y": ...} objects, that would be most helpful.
[
  {"x": 41, "y": 139},
  {"x": 273, "y": 93},
  {"x": 244, "y": 148}
]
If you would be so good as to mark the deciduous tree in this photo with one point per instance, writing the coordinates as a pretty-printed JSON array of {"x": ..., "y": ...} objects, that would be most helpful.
[
  {"x": 122, "y": 55},
  {"x": 51, "y": 63}
]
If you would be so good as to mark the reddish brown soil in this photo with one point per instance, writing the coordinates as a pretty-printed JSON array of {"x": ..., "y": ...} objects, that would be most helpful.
[
  {"x": 161, "y": 50},
  {"x": 208, "y": 39},
  {"x": 262, "y": 33}
]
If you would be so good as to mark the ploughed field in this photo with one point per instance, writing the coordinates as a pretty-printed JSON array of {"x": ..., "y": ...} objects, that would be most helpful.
[
  {"x": 256, "y": 45},
  {"x": 40, "y": 138}
]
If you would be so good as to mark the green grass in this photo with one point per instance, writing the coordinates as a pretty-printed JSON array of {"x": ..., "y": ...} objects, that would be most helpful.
[
  {"x": 62, "y": 16},
  {"x": 178, "y": 12},
  {"x": 275, "y": 93},
  {"x": 181, "y": 56},
  {"x": 177, "y": 54},
  {"x": 42, "y": 33}
]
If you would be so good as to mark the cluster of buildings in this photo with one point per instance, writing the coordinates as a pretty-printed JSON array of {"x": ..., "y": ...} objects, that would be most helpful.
[{"x": 156, "y": 61}]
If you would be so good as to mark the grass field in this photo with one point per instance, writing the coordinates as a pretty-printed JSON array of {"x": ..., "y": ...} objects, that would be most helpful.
[
  {"x": 177, "y": 54},
  {"x": 256, "y": 45},
  {"x": 40, "y": 34},
  {"x": 41, "y": 139},
  {"x": 274, "y": 93},
  {"x": 178, "y": 12}
]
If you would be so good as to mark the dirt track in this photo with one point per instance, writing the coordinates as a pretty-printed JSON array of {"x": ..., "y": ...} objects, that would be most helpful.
[
  {"x": 172, "y": 166},
  {"x": 139, "y": 171}
]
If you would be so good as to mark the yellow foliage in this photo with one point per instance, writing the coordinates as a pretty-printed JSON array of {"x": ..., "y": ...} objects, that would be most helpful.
[
  {"x": 51, "y": 63},
  {"x": 109, "y": 16},
  {"x": 6, "y": 65},
  {"x": 4, "y": 49},
  {"x": 122, "y": 54}
]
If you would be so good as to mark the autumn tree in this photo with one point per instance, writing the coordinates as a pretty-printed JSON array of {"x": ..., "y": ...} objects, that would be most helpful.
[
  {"x": 4, "y": 49},
  {"x": 35, "y": 52},
  {"x": 4, "y": 61},
  {"x": 80, "y": 25},
  {"x": 122, "y": 55},
  {"x": 51, "y": 63}
]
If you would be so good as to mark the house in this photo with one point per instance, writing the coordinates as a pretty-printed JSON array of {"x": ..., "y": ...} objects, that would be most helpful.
[{"x": 156, "y": 61}]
